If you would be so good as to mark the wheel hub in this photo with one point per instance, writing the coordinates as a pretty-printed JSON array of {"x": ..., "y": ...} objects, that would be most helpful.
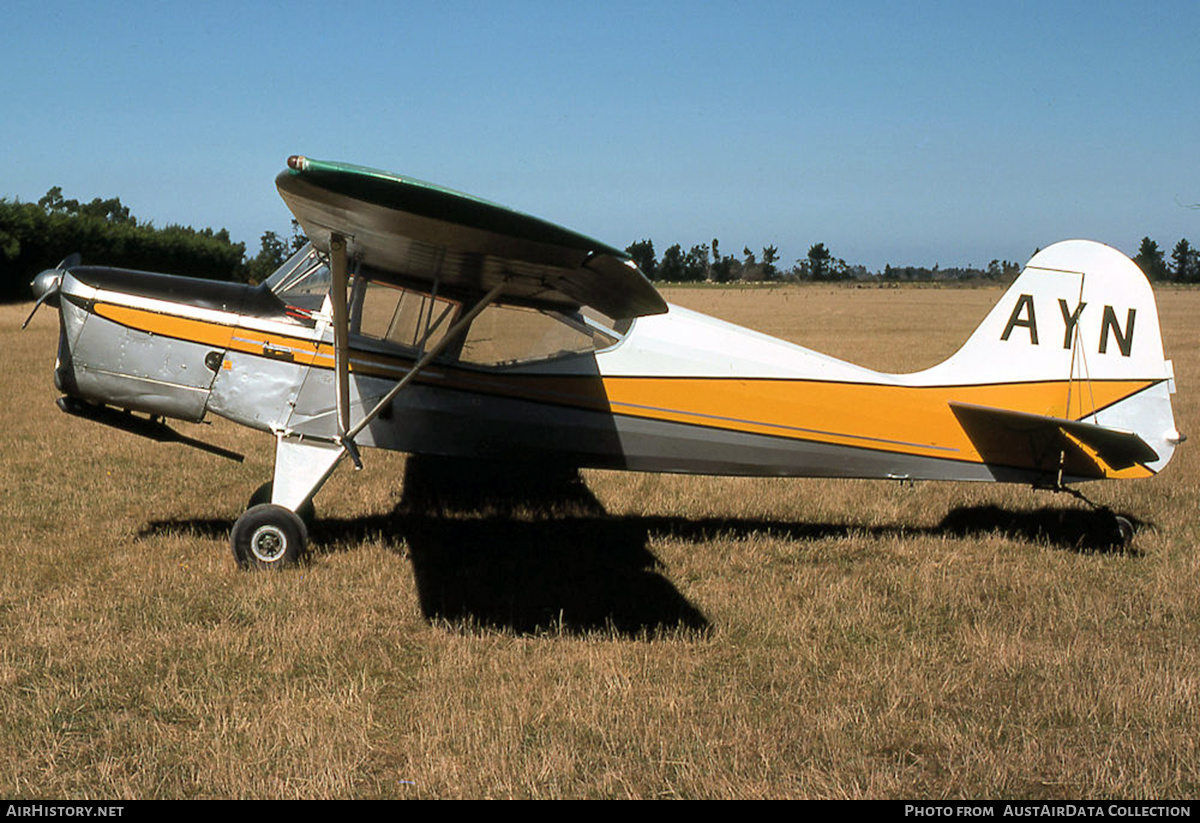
[{"x": 268, "y": 543}]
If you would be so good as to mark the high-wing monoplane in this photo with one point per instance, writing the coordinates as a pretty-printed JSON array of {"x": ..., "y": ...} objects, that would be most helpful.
[{"x": 432, "y": 322}]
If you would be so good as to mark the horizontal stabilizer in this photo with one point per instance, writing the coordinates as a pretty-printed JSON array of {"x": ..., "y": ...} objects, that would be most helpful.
[{"x": 1006, "y": 437}]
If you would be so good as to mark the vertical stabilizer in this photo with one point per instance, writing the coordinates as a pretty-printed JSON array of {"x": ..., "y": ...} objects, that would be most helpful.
[{"x": 1079, "y": 313}]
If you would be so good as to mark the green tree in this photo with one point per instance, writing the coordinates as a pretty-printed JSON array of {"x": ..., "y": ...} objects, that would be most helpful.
[
  {"x": 1186, "y": 262},
  {"x": 109, "y": 211},
  {"x": 724, "y": 269},
  {"x": 642, "y": 253},
  {"x": 696, "y": 265},
  {"x": 751, "y": 270},
  {"x": 672, "y": 267},
  {"x": 770, "y": 255},
  {"x": 298, "y": 238},
  {"x": 271, "y": 255},
  {"x": 52, "y": 201},
  {"x": 1150, "y": 260},
  {"x": 820, "y": 262}
]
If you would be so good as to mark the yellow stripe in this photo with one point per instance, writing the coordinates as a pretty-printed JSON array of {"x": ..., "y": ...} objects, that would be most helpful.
[
  {"x": 304, "y": 351},
  {"x": 251, "y": 341},
  {"x": 196, "y": 331},
  {"x": 902, "y": 419},
  {"x": 910, "y": 420}
]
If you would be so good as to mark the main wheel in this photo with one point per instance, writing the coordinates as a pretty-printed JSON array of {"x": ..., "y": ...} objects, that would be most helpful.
[
  {"x": 307, "y": 512},
  {"x": 268, "y": 537}
]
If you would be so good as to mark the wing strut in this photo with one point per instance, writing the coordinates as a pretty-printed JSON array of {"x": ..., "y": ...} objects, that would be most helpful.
[
  {"x": 339, "y": 269},
  {"x": 303, "y": 465},
  {"x": 341, "y": 336}
]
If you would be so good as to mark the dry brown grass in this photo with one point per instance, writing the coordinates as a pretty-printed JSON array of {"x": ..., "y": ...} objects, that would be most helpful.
[{"x": 668, "y": 637}]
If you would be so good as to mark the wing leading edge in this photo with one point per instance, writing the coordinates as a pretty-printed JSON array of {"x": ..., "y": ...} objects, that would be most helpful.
[{"x": 423, "y": 232}]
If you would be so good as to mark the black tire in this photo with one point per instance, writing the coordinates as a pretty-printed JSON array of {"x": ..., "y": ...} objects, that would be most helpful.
[
  {"x": 268, "y": 537},
  {"x": 1124, "y": 529},
  {"x": 307, "y": 512}
]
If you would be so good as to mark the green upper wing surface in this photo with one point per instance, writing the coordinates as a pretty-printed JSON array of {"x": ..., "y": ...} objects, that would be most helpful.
[{"x": 421, "y": 231}]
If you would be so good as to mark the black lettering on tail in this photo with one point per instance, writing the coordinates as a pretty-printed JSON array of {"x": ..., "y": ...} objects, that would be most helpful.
[
  {"x": 1071, "y": 320},
  {"x": 1124, "y": 340},
  {"x": 1025, "y": 301}
]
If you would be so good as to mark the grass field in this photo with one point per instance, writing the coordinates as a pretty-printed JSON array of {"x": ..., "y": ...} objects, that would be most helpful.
[{"x": 646, "y": 636}]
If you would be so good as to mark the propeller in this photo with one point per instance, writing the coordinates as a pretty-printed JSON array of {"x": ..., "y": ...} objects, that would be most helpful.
[{"x": 48, "y": 283}]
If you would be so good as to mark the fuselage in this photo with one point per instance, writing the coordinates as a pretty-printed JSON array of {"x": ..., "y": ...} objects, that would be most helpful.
[{"x": 675, "y": 392}]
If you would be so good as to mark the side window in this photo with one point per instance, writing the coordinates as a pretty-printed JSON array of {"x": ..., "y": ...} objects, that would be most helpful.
[
  {"x": 501, "y": 335},
  {"x": 406, "y": 318},
  {"x": 506, "y": 335}
]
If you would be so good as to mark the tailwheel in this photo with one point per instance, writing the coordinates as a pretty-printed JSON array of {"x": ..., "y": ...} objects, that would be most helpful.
[
  {"x": 267, "y": 536},
  {"x": 1116, "y": 530},
  {"x": 1123, "y": 530}
]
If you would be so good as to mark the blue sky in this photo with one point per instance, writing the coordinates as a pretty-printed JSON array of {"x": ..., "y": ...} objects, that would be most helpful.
[{"x": 909, "y": 133}]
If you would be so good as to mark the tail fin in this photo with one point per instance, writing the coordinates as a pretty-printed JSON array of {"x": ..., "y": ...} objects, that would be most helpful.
[{"x": 1081, "y": 314}]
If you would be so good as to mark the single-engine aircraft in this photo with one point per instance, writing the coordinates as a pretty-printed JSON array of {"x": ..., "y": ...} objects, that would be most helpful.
[{"x": 433, "y": 322}]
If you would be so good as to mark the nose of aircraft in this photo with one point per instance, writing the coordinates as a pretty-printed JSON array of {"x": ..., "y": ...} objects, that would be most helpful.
[{"x": 46, "y": 284}]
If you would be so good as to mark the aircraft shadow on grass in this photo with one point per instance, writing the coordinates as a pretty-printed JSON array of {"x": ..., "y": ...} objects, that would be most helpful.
[{"x": 535, "y": 552}]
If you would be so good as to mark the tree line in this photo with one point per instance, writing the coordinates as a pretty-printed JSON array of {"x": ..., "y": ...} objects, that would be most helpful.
[
  {"x": 1183, "y": 268},
  {"x": 36, "y": 236},
  {"x": 705, "y": 263}
]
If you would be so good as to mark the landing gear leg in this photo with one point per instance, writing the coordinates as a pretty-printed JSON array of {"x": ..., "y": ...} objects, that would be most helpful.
[
  {"x": 263, "y": 494},
  {"x": 273, "y": 532}
]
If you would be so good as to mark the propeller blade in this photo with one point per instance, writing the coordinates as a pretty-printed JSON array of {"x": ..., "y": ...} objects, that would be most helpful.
[{"x": 45, "y": 296}]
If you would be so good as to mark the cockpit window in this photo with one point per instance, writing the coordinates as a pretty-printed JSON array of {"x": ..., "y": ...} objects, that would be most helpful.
[
  {"x": 411, "y": 319},
  {"x": 500, "y": 336},
  {"x": 508, "y": 335},
  {"x": 303, "y": 280}
]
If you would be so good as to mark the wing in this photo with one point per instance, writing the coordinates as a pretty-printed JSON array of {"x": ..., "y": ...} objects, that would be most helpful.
[
  {"x": 1006, "y": 437},
  {"x": 424, "y": 232}
]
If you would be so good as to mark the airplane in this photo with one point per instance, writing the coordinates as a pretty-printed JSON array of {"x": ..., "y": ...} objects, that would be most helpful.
[{"x": 432, "y": 322}]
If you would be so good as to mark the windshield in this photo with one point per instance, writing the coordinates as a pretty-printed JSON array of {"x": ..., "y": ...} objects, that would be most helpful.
[{"x": 303, "y": 280}]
